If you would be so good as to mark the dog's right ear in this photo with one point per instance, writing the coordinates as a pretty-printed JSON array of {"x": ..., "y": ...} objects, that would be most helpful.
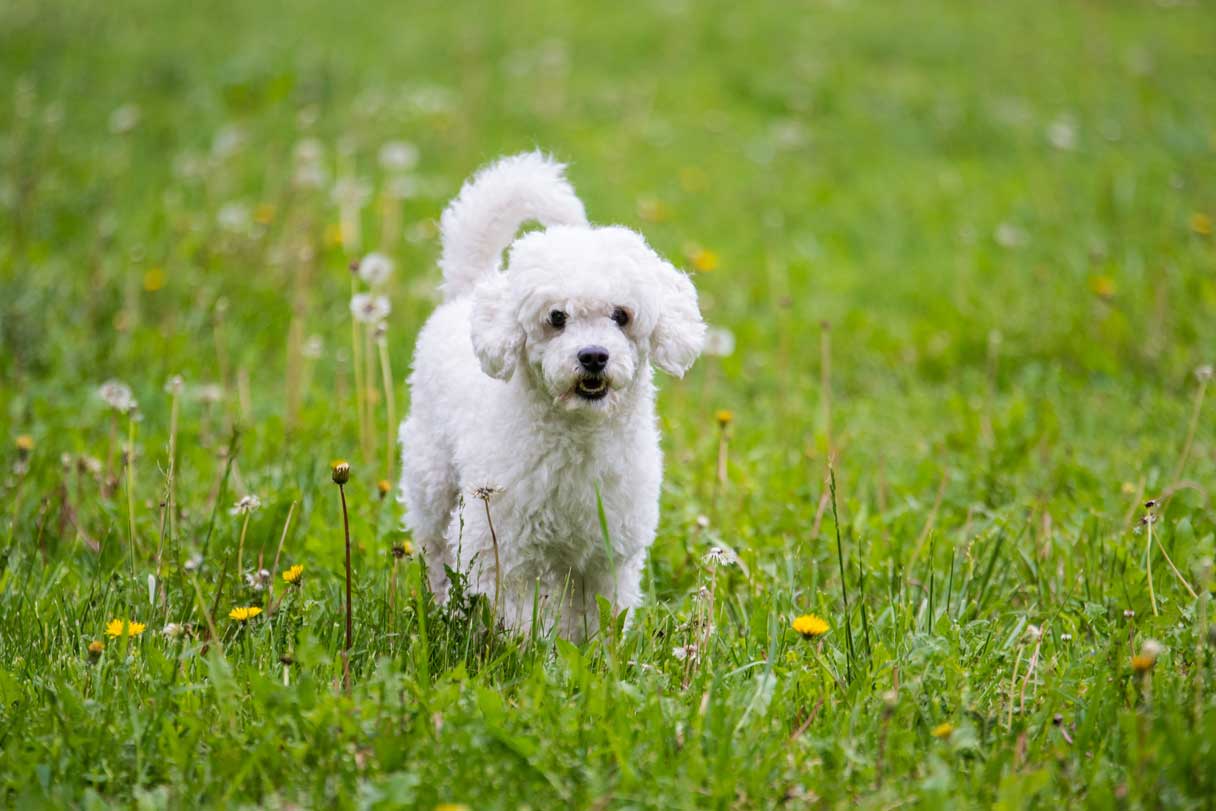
[{"x": 497, "y": 334}]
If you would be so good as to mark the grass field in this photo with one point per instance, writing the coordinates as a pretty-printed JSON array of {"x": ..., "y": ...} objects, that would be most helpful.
[{"x": 964, "y": 249}]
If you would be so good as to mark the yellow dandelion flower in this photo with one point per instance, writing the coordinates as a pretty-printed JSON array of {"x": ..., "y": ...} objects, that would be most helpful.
[
  {"x": 244, "y": 613},
  {"x": 1149, "y": 651},
  {"x": 25, "y": 444},
  {"x": 653, "y": 211},
  {"x": 1201, "y": 224},
  {"x": 263, "y": 214},
  {"x": 724, "y": 417},
  {"x": 333, "y": 235},
  {"x": 154, "y": 279},
  {"x": 1142, "y": 663},
  {"x": 293, "y": 574},
  {"x": 451, "y": 807},
  {"x": 944, "y": 730},
  {"x": 703, "y": 259},
  {"x": 811, "y": 626},
  {"x": 383, "y": 486},
  {"x": 1102, "y": 287},
  {"x": 115, "y": 628},
  {"x": 95, "y": 648}
]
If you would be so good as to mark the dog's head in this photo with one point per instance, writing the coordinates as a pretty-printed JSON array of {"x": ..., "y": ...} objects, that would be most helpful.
[{"x": 585, "y": 311}]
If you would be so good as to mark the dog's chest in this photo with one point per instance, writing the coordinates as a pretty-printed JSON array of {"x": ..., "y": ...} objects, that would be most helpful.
[{"x": 555, "y": 506}]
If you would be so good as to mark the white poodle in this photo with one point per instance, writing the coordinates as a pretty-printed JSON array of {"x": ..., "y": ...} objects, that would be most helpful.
[{"x": 532, "y": 392}]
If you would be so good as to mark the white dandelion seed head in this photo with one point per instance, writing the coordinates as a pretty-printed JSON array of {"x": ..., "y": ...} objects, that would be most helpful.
[
  {"x": 246, "y": 505},
  {"x": 194, "y": 563},
  {"x": 684, "y": 652},
  {"x": 309, "y": 150},
  {"x": 398, "y": 156},
  {"x": 234, "y": 217},
  {"x": 172, "y": 630},
  {"x": 375, "y": 268},
  {"x": 1128, "y": 614},
  {"x": 1033, "y": 633},
  {"x": 368, "y": 308},
  {"x": 117, "y": 395},
  {"x": 1062, "y": 133},
  {"x": 313, "y": 347},
  {"x": 1008, "y": 235},
  {"x": 310, "y": 176},
  {"x": 124, "y": 119},
  {"x": 719, "y": 556},
  {"x": 227, "y": 141},
  {"x": 1204, "y": 373},
  {"x": 189, "y": 165},
  {"x": 210, "y": 393},
  {"x": 1152, "y": 648},
  {"x": 351, "y": 192},
  {"x": 719, "y": 342},
  {"x": 485, "y": 492},
  {"x": 174, "y": 385}
]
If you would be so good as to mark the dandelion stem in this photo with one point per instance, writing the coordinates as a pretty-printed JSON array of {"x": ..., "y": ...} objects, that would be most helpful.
[
  {"x": 1148, "y": 566},
  {"x": 1177, "y": 573},
  {"x": 240, "y": 544},
  {"x": 172, "y": 473},
  {"x": 825, "y": 382},
  {"x": 723, "y": 451},
  {"x": 278, "y": 553},
  {"x": 1194, "y": 425},
  {"x": 219, "y": 591},
  {"x": 369, "y": 380},
  {"x": 386, "y": 373},
  {"x": 221, "y": 492},
  {"x": 844, "y": 581},
  {"x": 202, "y": 604},
  {"x": 357, "y": 364},
  {"x": 130, "y": 460},
  {"x": 170, "y": 485},
  {"x": 497, "y": 562},
  {"x": 349, "y": 623}
]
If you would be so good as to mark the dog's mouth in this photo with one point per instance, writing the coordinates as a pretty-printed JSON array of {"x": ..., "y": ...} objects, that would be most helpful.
[{"x": 592, "y": 387}]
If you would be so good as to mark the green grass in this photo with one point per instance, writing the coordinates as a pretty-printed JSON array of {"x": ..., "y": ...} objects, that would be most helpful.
[{"x": 999, "y": 208}]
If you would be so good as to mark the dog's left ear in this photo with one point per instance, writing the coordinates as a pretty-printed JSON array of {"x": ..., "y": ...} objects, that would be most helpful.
[
  {"x": 679, "y": 332},
  {"x": 497, "y": 334}
]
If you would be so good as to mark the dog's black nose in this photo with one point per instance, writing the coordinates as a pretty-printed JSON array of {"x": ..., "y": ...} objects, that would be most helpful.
[{"x": 593, "y": 358}]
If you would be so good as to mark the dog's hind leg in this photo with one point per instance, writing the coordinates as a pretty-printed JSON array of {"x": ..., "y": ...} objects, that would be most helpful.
[{"x": 429, "y": 491}]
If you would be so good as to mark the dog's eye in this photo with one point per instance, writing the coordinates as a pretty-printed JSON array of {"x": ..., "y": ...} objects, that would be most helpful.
[
  {"x": 557, "y": 319},
  {"x": 620, "y": 316}
]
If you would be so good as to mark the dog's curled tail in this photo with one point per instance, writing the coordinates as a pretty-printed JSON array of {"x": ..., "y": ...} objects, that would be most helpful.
[{"x": 481, "y": 222}]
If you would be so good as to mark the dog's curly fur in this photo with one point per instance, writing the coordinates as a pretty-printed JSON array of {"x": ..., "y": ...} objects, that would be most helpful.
[{"x": 503, "y": 405}]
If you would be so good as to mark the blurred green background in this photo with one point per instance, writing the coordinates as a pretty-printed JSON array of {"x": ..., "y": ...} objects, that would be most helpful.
[{"x": 966, "y": 247}]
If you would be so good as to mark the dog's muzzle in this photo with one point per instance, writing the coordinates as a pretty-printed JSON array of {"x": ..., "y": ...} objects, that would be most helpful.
[{"x": 592, "y": 387}]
